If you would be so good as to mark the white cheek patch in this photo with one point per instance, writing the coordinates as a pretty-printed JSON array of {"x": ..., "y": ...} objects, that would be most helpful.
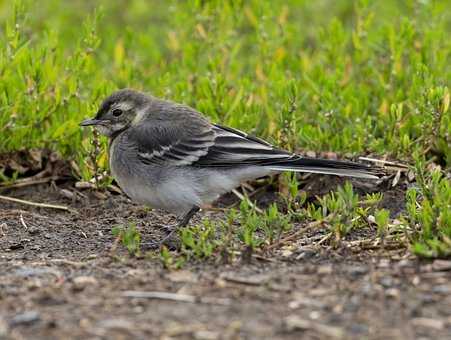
[{"x": 139, "y": 116}]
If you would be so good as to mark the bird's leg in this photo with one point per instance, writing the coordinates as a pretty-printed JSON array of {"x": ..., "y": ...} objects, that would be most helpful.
[{"x": 174, "y": 228}]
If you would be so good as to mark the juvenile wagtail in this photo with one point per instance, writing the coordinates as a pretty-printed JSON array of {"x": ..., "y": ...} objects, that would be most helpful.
[{"x": 168, "y": 156}]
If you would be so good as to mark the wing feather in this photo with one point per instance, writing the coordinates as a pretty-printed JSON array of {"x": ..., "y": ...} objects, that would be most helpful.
[
  {"x": 233, "y": 147},
  {"x": 198, "y": 143}
]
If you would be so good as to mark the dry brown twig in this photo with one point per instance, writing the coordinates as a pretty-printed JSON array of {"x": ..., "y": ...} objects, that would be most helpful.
[
  {"x": 296, "y": 234},
  {"x": 22, "y": 221},
  {"x": 403, "y": 167},
  {"x": 241, "y": 197},
  {"x": 174, "y": 297},
  {"x": 29, "y": 182},
  {"x": 75, "y": 264},
  {"x": 35, "y": 204}
]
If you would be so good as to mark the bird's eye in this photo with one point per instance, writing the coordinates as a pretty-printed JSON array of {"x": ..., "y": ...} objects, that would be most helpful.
[{"x": 117, "y": 112}]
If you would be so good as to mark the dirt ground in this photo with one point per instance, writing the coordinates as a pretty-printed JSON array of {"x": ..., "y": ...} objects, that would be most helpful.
[{"x": 60, "y": 278}]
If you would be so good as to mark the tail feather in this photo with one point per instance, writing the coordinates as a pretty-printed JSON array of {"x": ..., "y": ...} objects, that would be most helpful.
[{"x": 326, "y": 166}]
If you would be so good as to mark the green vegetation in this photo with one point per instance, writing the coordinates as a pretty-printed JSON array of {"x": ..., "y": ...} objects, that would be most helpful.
[
  {"x": 129, "y": 237},
  {"x": 429, "y": 213},
  {"x": 352, "y": 77}
]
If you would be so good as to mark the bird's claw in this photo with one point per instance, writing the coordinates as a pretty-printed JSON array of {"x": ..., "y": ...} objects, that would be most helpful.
[
  {"x": 166, "y": 228},
  {"x": 170, "y": 240}
]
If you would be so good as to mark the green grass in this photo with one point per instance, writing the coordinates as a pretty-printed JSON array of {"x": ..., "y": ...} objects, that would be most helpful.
[
  {"x": 353, "y": 77},
  {"x": 130, "y": 237}
]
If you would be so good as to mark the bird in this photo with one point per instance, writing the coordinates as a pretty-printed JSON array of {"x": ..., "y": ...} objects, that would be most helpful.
[{"x": 168, "y": 156}]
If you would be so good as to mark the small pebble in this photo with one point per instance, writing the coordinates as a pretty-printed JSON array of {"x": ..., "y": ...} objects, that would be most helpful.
[
  {"x": 441, "y": 265},
  {"x": 428, "y": 323},
  {"x": 81, "y": 282},
  {"x": 67, "y": 193},
  {"x": 26, "y": 318},
  {"x": 387, "y": 281},
  {"x": 392, "y": 292},
  {"x": 325, "y": 269},
  {"x": 33, "y": 231},
  {"x": 442, "y": 289},
  {"x": 16, "y": 246}
]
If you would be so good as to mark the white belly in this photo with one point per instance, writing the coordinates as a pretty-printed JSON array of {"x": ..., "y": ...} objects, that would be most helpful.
[{"x": 176, "y": 189}]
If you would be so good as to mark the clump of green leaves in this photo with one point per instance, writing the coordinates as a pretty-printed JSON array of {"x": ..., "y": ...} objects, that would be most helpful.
[
  {"x": 344, "y": 210},
  {"x": 382, "y": 219},
  {"x": 223, "y": 238},
  {"x": 257, "y": 228},
  {"x": 129, "y": 237},
  {"x": 170, "y": 260},
  {"x": 429, "y": 213},
  {"x": 199, "y": 241},
  {"x": 250, "y": 221},
  {"x": 293, "y": 198}
]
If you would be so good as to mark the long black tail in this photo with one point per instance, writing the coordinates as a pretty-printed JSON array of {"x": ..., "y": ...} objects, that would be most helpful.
[{"x": 326, "y": 166}]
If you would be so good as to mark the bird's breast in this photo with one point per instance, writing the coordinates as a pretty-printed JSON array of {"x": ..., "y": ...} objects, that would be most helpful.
[{"x": 162, "y": 187}]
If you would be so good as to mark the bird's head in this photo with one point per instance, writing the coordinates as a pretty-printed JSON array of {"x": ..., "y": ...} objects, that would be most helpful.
[{"x": 118, "y": 111}]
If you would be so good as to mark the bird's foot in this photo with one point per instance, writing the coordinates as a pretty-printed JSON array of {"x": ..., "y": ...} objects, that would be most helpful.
[
  {"x": 171, "y": 240},
  {"x": 166, "y": 228}
]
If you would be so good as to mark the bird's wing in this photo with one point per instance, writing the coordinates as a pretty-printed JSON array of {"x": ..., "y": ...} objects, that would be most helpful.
[
  {"x": 233, "y": 147},
  {"x": 198, "y": 143},
  {"x": 172, "y": 143}
]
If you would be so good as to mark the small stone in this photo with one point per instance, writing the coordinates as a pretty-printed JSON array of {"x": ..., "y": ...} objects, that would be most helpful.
[
  {"x": 428, "y": 323},
  {"x": 325, "y": 269},
  {"x": 67, "y": 193},
  {"x": 442, "y": 289},
  {"x": 427, "y": 298},
  {"x": 26, "y": 318},
  {"x": 294, "y": 322},
  {"x": 330, "y": 155},
  {"x": 182, "y": 276},
  {"x": 304, "y": 301},
  {"x": 81, "y": 282},
  {"x": 252, "y": 280},
  {"x": 3, "y": 328},
  {"x": 16, "y": 246},
  {"x": 85, "y": 323},
  {"x": 371, "y": 219},
  {"x": 286, "y": 253},
  {"x": 404, "y": 263},
  {"x": 306, "y": 254},
  {"x": 384, "y": 263},
  {"x": 84, "y": 185},
  {"x": 315, "y": 315},
  {"x": 26, "y": 271},
  {"x": 206, "y": 335},
  {"x": 33, "y": 231},
  {"x": 441, "y": 265},
  {"x": 357, "y": 270},
  {"x": 119, "y": 324},
  {"x": 358, "y": 328},
  {"x": 416, "y": 280},
  {"x": 392, "y": 292},
  {"x": 387, "y": 281},
  {"x": 100, "y": 195}
]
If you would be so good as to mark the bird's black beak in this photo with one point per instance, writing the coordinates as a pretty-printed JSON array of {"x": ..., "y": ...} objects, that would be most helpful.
[{"x": 88, "y": 122}]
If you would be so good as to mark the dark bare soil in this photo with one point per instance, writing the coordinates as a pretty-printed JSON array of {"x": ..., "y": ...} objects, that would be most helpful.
[{"x": 61, "y": 277}]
